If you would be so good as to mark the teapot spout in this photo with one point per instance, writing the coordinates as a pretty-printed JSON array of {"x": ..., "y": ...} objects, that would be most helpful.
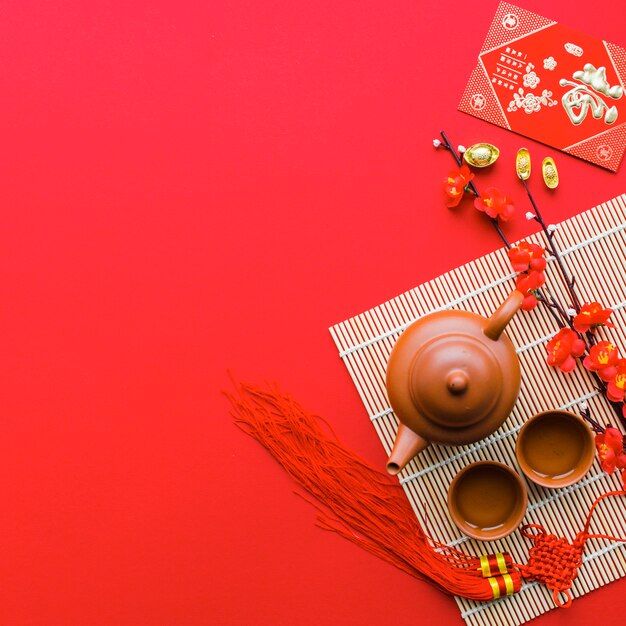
[
  {"x": 407, "y": 445},
  {"x": 504, "y": 314}
]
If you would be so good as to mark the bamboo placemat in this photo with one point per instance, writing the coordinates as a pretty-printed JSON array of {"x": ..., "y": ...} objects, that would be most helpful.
[{"x": 593, "y": 245}]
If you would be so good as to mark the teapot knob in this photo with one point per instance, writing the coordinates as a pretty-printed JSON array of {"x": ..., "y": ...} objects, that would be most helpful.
[
  {"x": 457, "y": 382},
  {"x": 454, "y": 380}
]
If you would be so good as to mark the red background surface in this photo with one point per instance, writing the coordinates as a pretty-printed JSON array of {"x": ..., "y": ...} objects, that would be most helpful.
[{"x": 188, "y": 187}]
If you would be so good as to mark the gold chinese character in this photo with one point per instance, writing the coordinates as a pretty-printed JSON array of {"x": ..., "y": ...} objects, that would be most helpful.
[{"x": 584, "y": 95}]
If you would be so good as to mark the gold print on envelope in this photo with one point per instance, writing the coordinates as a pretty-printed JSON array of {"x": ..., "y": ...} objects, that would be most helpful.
[
  {"x": 535, "y": 57},
  {"x": 584, "y": 95},
  {"x": 549, "y": 64},
  {"x": 530, "y": 78},
  {"x": 530, "y": 102}
]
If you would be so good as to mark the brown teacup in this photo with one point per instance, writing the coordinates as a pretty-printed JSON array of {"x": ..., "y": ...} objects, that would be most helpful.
[
  {"x": 487, "y": 500},
  {"x": 555, "y": 448}
]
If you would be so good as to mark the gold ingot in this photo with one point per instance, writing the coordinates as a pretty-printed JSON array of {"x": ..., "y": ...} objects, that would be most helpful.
[
  {"x": 481, "y": 155},
  {"x": 522, "y": 164},
  {"x": 550, "y": 173}
]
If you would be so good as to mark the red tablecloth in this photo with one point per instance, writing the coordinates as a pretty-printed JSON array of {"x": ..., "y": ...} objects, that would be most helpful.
[{"x": 194, "y": 186}]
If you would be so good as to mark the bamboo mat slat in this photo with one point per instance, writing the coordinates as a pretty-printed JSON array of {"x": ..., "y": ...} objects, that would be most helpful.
[{"x": 593, "y": 245}]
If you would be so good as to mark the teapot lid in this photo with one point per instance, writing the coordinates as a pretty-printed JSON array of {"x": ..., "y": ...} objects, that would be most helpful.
[{"x": 455, "y": 380}]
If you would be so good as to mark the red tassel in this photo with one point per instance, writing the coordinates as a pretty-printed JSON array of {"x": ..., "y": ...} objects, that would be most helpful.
[
  {"x": 361, "y": 503},
  {"x": 354, "y": 499}
]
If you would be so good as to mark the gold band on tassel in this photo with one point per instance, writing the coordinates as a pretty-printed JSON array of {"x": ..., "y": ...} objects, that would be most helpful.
[
  {"x": 501, "y": 563},
  {"x": 500, "y": 584},
  {"x": 484, "y": 566},
  {"x": 486, "y": 562},
  {"x": 495, "y": 588},
  {"x": 508, "y": 581}
]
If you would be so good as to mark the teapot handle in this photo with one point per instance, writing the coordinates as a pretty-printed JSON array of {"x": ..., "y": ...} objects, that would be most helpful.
[{"x": 503, "y": 315}]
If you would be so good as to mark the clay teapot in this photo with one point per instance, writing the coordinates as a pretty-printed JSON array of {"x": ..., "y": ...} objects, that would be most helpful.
[{"x": 452, "y": 378}]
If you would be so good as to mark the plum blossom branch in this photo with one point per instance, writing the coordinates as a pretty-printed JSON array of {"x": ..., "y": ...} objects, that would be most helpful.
[
  {"x": 575, "y": 340},
  {"x": 448, "y": 146}
]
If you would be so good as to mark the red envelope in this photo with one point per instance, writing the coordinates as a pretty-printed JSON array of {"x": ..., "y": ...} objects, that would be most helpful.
[{"x": 551, "y": 83}]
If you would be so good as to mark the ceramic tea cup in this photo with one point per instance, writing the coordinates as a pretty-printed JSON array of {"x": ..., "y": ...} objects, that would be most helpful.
[
  {"x": 555, "y": 448},
  {"x": 487, "y": 500}
]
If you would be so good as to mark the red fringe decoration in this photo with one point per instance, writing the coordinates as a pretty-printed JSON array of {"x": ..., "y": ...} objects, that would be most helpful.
[
  {"x": 363, "y": 505},
  {"x": 356, "y": 500}
]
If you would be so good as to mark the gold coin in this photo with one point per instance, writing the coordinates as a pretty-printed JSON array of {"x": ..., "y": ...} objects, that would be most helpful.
[
  {"x": 481, "y": 155},
  {"x": 522, "y": 163},
  {"x": 550, "y": 173}
]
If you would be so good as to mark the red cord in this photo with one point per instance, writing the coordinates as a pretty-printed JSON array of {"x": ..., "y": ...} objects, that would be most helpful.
[{"x": 554, "y": 561}]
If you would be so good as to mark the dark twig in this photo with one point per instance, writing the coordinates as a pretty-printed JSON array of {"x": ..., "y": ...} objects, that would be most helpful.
[
  {"x": 446, "y": 144},
  {"x": 595, "y": 426},
  {"x": 554, "y": 310},
  {"x": 553, "y": 250},
  {"x": 569, "y": 281}
]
